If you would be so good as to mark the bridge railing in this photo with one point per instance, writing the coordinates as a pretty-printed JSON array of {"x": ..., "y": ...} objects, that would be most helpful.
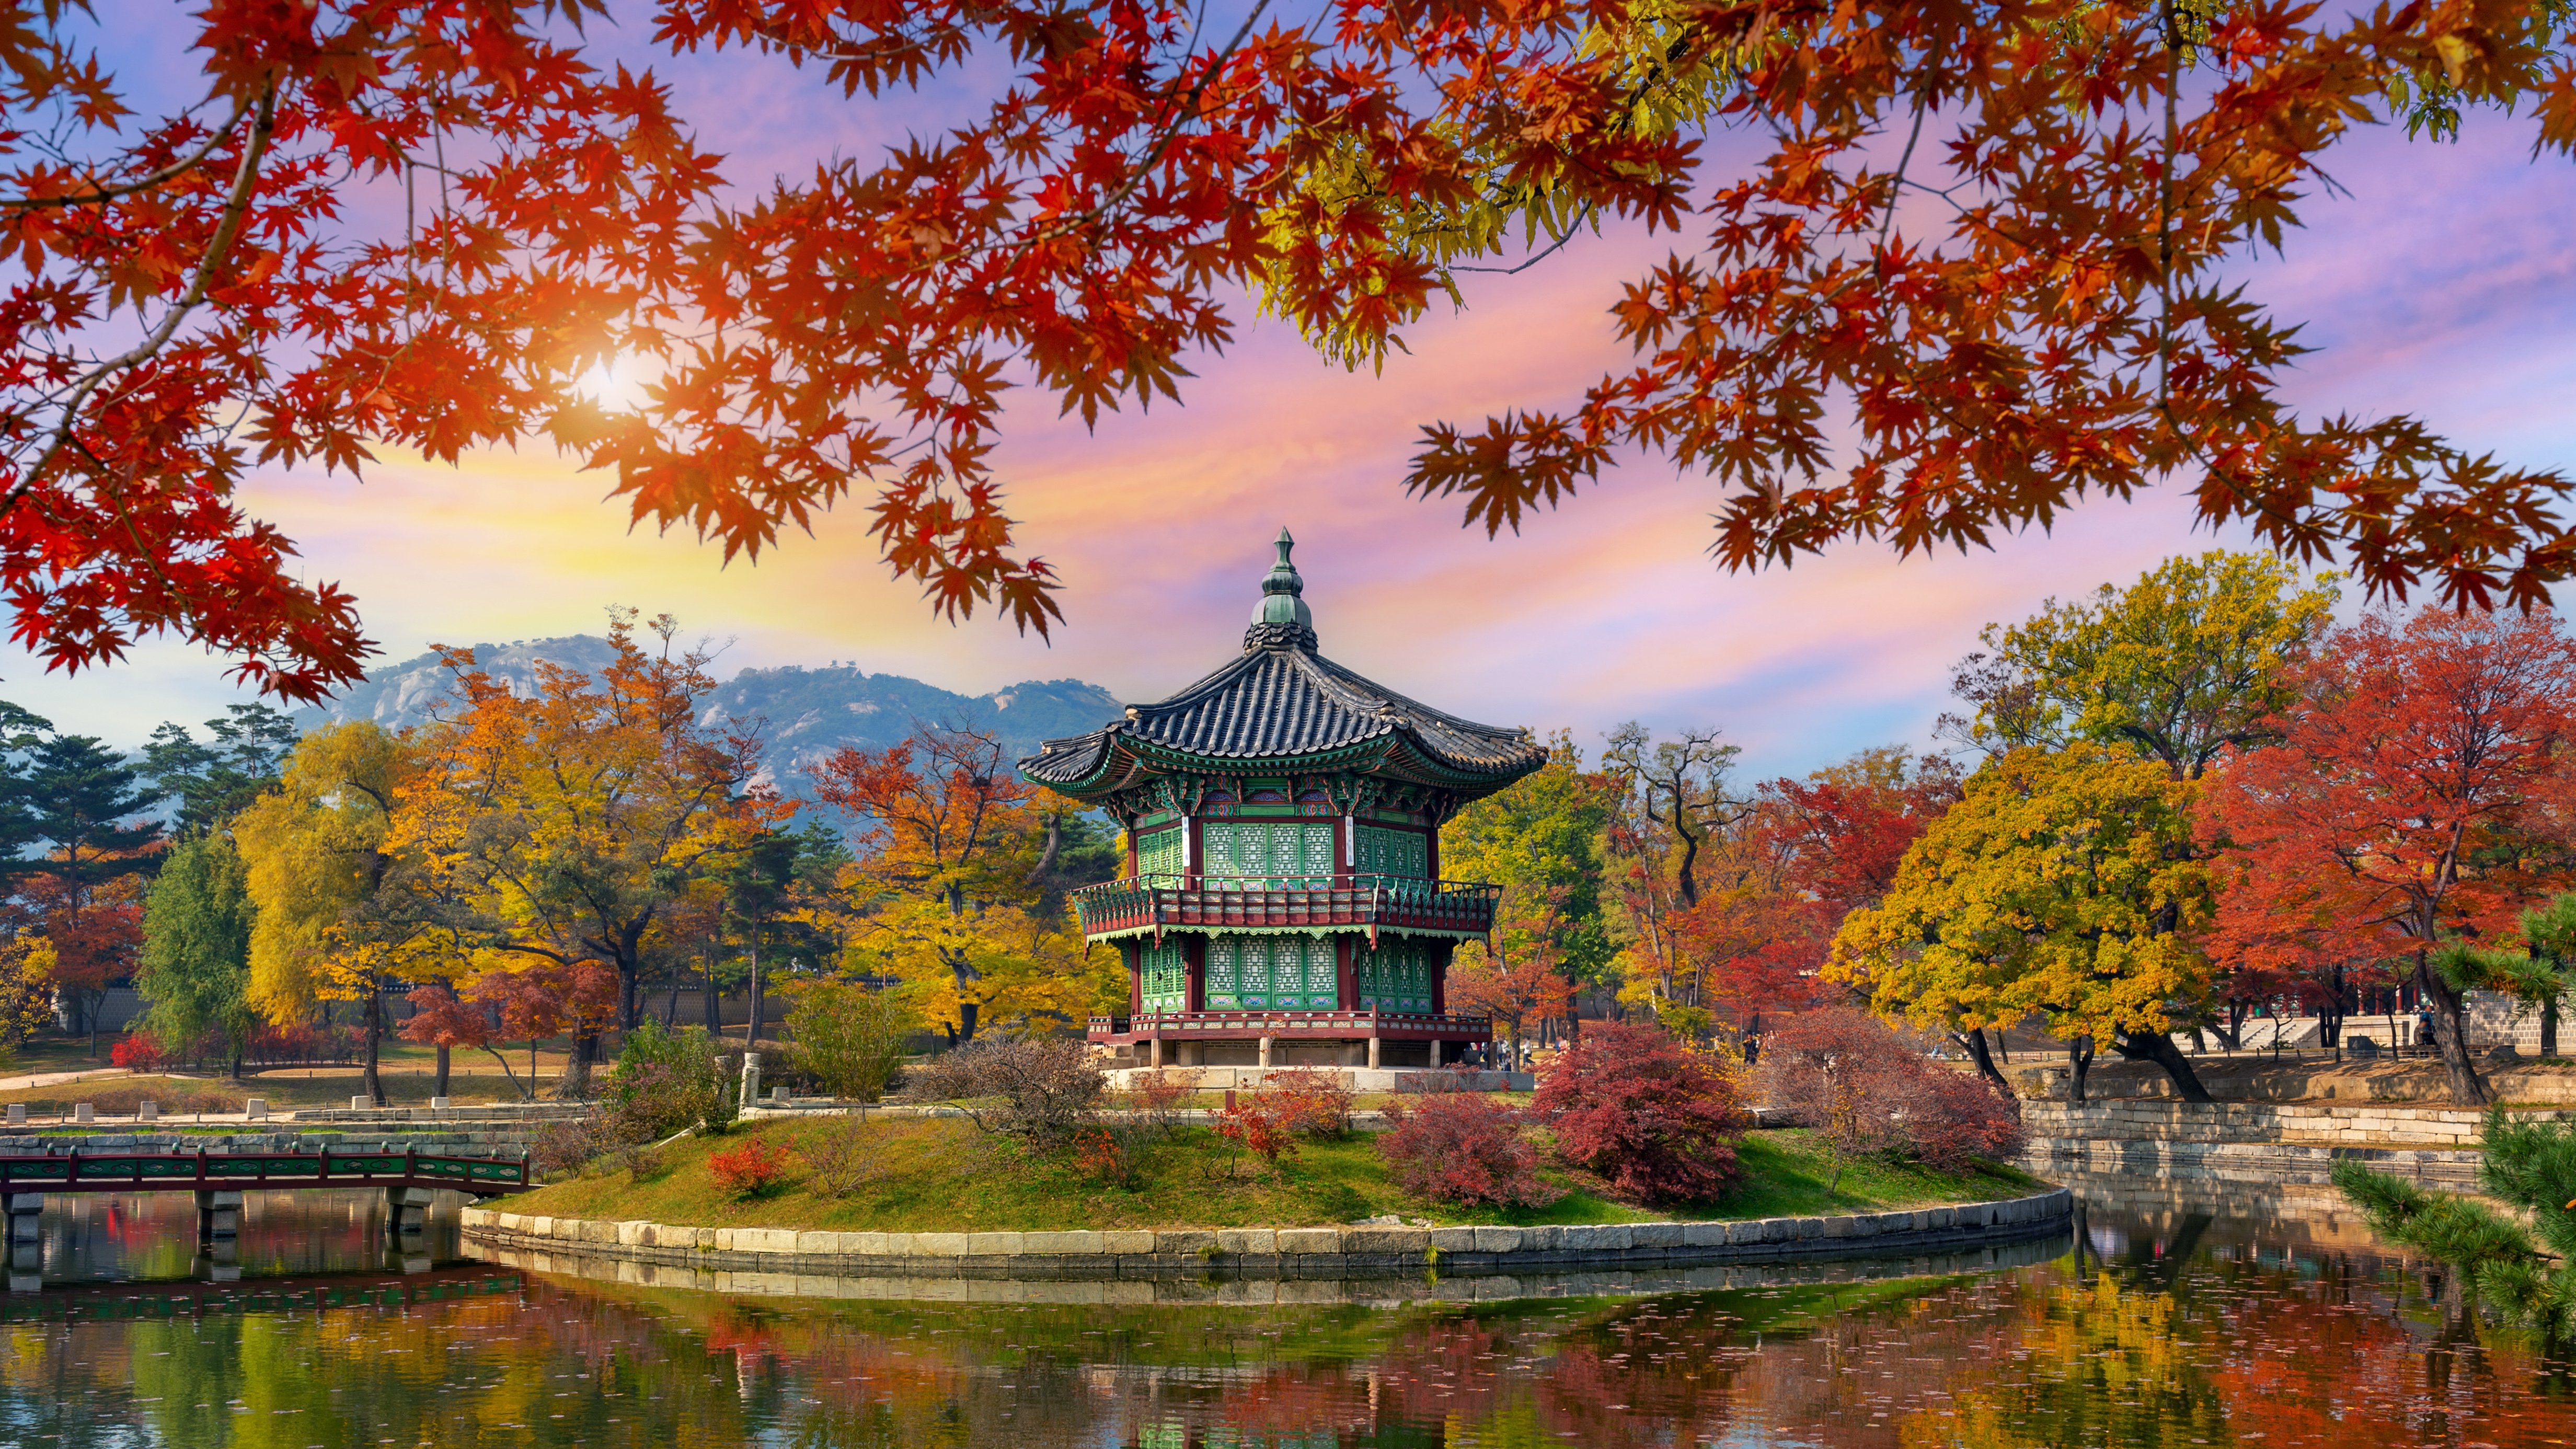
[{"x": 237, "y": 1171}]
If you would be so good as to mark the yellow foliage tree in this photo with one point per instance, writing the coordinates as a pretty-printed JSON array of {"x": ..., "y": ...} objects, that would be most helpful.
[
  {"x": 565, "y": 825},
  {"x": 2187, "y": 662},
  {"x": 2065, "y": 884},
  {"x": 345, "y": 908}
]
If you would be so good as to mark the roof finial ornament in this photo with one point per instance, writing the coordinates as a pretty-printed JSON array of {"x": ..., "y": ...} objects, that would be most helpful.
[{"x": 1282, "y": 621}]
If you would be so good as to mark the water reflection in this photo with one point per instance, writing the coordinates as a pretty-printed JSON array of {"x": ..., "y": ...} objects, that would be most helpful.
[
  {"x": 2170, "y": 1322},
  {"x": 154, "y": 1236}
]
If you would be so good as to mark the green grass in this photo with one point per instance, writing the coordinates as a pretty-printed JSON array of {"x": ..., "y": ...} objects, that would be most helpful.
[{"x": 940, "y": 1175}]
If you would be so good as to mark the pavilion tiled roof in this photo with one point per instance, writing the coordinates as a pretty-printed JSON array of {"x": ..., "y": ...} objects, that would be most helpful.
[{"x": 1282, "y": 700}]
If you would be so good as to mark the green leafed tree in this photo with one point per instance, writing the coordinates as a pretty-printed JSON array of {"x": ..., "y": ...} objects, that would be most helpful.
[
  {"x": 2524, "y": 1270},
  {"x": 1542, "y": 841},
  {"x": 2187, "y": 662},
  {"x": 195, "y": 969}
]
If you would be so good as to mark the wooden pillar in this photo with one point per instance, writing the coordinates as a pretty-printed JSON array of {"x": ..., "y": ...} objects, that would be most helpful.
[
  {"x": 1134, "y": 951},
  {"x": 1131, "y": 845},
  {"x": 1440, "y": 955},
  {"x": 1346, "y": 973},
  {"x": 1265, "y": 1053},
  {"x": 1194, "y": 952},
  {"x": 1431, "y": 851},
  {"x": 1154, "y": 1052},
  {"x": 1372, "y": 1047}
]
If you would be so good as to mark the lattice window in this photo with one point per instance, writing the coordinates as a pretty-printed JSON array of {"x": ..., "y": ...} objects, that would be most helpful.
[
  {"x": 1319, "y": 849},
  {"x": 1160, "y": 852},
  {"x": 1163, "y": 974},
  {"x": 1323, "y": 988},
  {"x": 1224, "y": 975},
  {"x": 1394, "y": 852}
]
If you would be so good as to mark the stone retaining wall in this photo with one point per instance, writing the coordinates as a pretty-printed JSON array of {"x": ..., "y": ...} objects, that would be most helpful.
[
  {"x": 2252, "y": 1143},
  {"x": 2315, "y": 1124},
  {"x": 1276, "y": 1252}
]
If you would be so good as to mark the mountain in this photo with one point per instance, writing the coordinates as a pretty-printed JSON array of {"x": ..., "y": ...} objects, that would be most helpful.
[{"x": 804, "y": 714}]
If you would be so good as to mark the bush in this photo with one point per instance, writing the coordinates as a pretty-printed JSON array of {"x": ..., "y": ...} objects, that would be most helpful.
[
  {"x": 565, "y": 1145},
  {"x": 1039, "y": 1089},
  {"x": 841, "y": 1153},
  {"x": 138, "y": 1052},
  {"x": 663, "y": 1081},
  {"x": 1463, "y": 1147},
  {"x": 1260, "y": 1121},
  {"x": 1655, "y": 1120},
  {"x": 749, "y": 1169},
  {"x": 848, "y": 1037},
  {"x": 1312, "y": 1103},
  {"x": 1869, "y": 1090}
]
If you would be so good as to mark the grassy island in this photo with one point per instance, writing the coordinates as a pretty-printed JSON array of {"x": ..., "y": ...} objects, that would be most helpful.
[{"x": 941, "y": 1175}]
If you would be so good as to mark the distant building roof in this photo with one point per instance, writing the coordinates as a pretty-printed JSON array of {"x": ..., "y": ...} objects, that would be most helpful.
[{"x": 1282, "y": 703}]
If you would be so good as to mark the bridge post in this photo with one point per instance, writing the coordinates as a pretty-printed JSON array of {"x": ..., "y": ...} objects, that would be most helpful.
[
  {"x": 407, "y": 1211},
  {"x": 218, "y": 1214},
  {"x": 26, "y": 1241}
]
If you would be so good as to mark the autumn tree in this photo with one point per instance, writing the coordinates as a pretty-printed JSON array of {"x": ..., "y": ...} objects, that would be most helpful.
[
  {"x": 2187, "y": 663},
  {"x": 83, "y": 806},
  {"x": 562, "y": 825},
  {"x": 1988, "y": 249},
  {"x": 345, "y": 909},
  {"x": 2064, "y": 883},
  {"x": 2419, "y": 794},
  {"x": 1837, "y": 839},
  {"x": 946, "y": 883},
  {"x": 195, "y": 969}
]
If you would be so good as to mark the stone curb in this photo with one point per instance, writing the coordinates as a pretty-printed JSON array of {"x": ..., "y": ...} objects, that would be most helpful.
[{"x": 1281, "y": 1252}]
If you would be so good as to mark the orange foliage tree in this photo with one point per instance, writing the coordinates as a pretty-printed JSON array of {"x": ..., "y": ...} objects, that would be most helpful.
[
  {"x": 945, "y": 890},
  {"x": 2420, "y": 794},
  {"x": 564, "y": 826},
  {"x": 1988, "y": 243}
]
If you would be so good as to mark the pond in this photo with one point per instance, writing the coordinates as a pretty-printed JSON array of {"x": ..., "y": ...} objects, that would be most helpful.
[{"x": 2252, "y": 1319}]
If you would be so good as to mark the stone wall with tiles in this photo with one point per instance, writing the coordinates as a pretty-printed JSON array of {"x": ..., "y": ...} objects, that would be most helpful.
[{"x": 1278, "y": 1252}]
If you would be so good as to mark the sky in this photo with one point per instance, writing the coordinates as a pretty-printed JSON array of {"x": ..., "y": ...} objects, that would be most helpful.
[{"x": 2442, "y": 282}]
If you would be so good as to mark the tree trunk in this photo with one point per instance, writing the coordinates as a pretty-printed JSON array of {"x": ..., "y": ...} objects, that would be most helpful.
[
  {"x": 1974, "y": 1039},
  {"x": 967, "y": 1012},
  {"x": 2079, "y": 1062},
  {"x": 2450, "y": 1031},
  {"x": 713, "y": 1003},
  {"x": 375, "y": 1038},
  {"x": 2158, "y": 1047},
  {"x": 2549, "y": 1027},
  {"x": 752, "y": 1029},
  {"x": 575, "y": 1085},
  {"x": 441, "y": 1089}
]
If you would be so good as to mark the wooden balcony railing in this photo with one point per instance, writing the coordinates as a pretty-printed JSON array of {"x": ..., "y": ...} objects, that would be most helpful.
[
  {"x": 1334, "y": 1024},
  {"x": 1151, "y": 903}
]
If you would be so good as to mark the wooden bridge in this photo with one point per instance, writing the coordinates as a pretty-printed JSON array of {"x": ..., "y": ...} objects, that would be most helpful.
[{"x": 202, "y": 1171}]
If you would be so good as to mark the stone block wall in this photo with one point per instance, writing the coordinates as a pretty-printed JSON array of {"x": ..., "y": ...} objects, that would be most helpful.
[{"x": 1336, "y": 1252}]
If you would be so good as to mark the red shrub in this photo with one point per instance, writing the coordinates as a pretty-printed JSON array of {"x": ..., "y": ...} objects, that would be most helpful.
[
  {"x": 1315, "y": 1104},
  {"x": 1260, "y": 1121},
  {"x": 138, "y": 1053},
  {"x": 1868, "y": 1088},
  {"x": 750, "y": 1169},
  {"x": 1463, "y": 1148},
  {"x": 1657, "y": 1120}
]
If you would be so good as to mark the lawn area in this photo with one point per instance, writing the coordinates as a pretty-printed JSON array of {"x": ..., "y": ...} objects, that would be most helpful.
[{"x": 940, "y": 1175}]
